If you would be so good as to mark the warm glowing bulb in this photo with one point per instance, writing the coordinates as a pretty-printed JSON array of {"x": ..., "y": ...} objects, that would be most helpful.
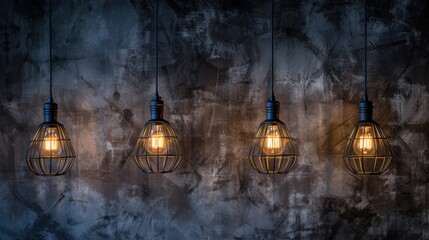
[
  {"x": 364, "y": 141},
  {"x": 272, "y": 141},
  {"x": 51, "y": 144},
  {"x": 157, "y": 143}
]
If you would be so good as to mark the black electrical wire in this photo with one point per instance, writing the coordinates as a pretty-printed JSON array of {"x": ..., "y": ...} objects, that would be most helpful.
[
  {"x": 50, "y": 52},
  {"x": 156, "y": 51},
  {"x": 365, "y": 96},
  {"x": 272, "y": 51}
]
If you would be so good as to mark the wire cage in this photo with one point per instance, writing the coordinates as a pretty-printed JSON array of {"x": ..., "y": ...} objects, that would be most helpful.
[
  {"x": 368, "y": 151},
  {"x": 157, "y": 150},
  {"x": 272, "y": 150},
  {"x": 51, "y": 152}
]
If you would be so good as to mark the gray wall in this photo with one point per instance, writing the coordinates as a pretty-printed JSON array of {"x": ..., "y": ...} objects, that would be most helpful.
[{"x": 214, "y": 63}]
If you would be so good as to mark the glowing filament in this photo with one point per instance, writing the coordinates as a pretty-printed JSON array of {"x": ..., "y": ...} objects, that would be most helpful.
[
  {"x": 272, "y": 141},
  {"x": 157, "y": 143},
  {"x": 364, "y": 141},
  {"x": 51, "y": 143}
]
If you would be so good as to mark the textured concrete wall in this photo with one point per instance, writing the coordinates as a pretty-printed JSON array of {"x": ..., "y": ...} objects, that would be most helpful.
[{"x": 214, "y": 62}]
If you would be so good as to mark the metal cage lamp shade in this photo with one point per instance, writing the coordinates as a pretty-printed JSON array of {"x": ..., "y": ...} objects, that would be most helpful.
[
  {"x": 51, "y": 152},
  {"x": 368, "y": 150},
  {"x": 272, "y": 150},
  {"x": 157, "y": 149}
]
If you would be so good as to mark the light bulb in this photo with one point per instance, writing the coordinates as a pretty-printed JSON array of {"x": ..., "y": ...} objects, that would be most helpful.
[
  {"x": 364, "y": 141},
  {"x": 157, "y": 142},
  {"x": 51, "y": 143},
  {"x": 272, "y": 141}
]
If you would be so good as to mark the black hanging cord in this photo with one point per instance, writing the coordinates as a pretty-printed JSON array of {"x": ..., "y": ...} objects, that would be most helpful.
[
  {"x": 272, "y": 52},
  {"x": 365, "y": 96},
  {"x": 156, "y": 51},
  {"x": 50, "y": 52}
]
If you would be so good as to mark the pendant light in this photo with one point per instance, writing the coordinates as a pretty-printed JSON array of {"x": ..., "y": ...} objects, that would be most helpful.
[
  {"x": 157, "y": 149},
  {"x": 272, "y": 150},
  {"x": 368, "y": 151},
  {"x": 51, "y": 152}
]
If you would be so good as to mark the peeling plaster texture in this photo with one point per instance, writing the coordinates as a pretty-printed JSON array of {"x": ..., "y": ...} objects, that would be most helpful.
[{"x": 214, "y": 70}]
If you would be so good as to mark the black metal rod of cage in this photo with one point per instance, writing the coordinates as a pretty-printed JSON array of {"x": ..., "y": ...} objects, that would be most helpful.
[
  {"x": 50, "y": 52},
  {"x": 156, "y": 50},
  {"x": 365, "y": 95},
  {"x": 272, "y": 51}
]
